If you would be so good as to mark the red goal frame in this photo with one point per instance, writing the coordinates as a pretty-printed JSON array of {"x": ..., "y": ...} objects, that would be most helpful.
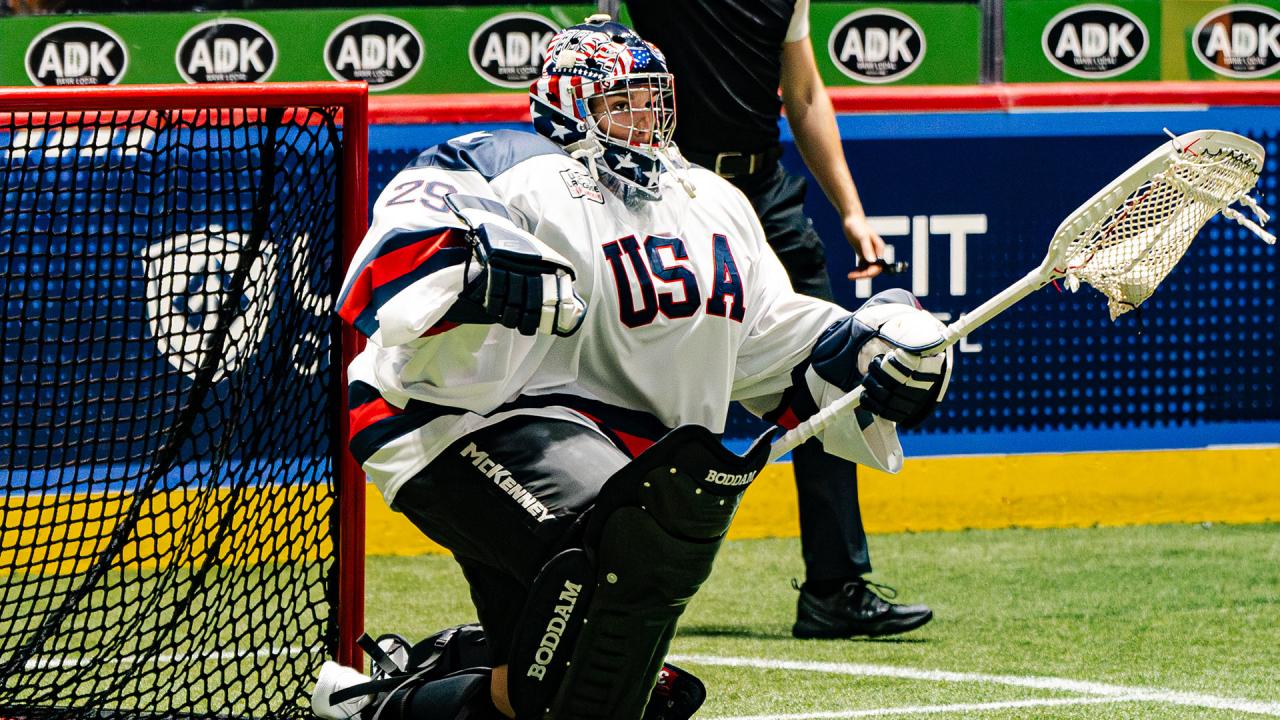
[{"x": 353, "y": 99}]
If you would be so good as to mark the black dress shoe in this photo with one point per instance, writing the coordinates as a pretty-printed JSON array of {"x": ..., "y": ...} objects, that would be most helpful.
[{"x": 860, "y": 608}]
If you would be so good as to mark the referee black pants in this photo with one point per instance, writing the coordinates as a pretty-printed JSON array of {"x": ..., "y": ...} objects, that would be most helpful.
[{"x": 832, "y": 539}]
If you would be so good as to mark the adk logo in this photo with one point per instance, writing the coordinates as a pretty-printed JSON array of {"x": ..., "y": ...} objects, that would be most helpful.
[
  {"x": 508, "y": 50},
  {"x": 76, "y": 53},
  {"x": 1095, "y": 41},
  {"x": 226, "y": 50},
  {"x": 383, "y": 51},
  {"x": 1240, "y": 41},
  {"x": 877, "y": 45},
  {"x": 188, "y": 279}
]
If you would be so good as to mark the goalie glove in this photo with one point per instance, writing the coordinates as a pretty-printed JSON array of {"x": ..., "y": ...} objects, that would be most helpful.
[
  {"x": 904, "y": 387},
  {"x": 891, "y": 322},
  {"x": 899, "y": 384},
  {"x": 904, "y": 390},
  {"x": 514, "y": 280}
]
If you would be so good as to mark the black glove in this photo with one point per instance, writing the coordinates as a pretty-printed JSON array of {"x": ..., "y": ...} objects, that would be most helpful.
[
  {"x": 513, "y": 282},
  {"x": 901, "y": 393}
]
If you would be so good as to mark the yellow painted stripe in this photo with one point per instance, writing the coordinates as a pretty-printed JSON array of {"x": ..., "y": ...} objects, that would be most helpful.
[
  {"x": 51, "y": 534},
  {"x": 48, "y": 534},
  {"x": 954, "y": 493}
]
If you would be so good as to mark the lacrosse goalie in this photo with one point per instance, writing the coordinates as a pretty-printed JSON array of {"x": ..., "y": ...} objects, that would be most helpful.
[{"x": 556, "y": 325}]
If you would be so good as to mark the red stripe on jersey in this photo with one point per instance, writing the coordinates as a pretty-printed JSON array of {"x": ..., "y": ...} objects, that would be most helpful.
[
  {"x": 358, "y": 298},
  {"x": 635, "y": 444},
  {"x": 370, "y": 413},
  {"x": 788, "y": 419},
  {"x": 397, "y": 263}
]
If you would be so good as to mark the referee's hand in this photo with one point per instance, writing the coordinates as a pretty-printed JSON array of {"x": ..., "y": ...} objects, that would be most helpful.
[{"x": 867, "y": 245}]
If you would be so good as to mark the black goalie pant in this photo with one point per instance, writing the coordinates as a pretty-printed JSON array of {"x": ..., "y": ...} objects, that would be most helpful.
[
  {"x": 501, "y": 500},
  {"x": 832, "y": 538}
]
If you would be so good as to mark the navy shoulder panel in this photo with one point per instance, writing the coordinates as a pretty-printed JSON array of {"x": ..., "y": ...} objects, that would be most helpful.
[{"x": 488, "y": 153}]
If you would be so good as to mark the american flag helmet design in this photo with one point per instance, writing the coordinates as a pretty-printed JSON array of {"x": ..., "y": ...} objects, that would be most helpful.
[{"x": 598, "y": 59}]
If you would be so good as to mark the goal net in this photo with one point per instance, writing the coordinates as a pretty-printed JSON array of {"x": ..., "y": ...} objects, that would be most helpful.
[{"x": 178, "y": 538}]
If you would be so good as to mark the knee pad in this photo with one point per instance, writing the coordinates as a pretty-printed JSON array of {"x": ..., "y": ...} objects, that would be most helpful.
[{"x": 602, "y": 613}]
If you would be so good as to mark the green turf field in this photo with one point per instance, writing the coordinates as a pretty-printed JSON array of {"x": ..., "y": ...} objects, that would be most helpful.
[{"x": 1158, "y": 623}]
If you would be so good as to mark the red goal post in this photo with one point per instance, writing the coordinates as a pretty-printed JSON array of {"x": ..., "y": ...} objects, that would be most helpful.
[{"x": 139, "y": 391}]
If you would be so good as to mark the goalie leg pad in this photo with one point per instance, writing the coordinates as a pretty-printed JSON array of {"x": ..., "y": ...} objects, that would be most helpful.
[
  {"x": 399, "y": 667},
  {"x": 677, "y": 695},
  {"x": 548, "y": 630},
  {"x": 450, "y": 650},
  {"x": 603, "y": 613},
  {"x": 462, "y": 696}
]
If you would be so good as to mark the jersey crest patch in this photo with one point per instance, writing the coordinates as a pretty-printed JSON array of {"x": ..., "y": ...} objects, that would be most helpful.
[{"x": 582, "y": 185}]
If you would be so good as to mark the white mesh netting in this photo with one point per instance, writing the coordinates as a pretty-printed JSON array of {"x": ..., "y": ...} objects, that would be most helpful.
[{"x": 1126, "y": 254}]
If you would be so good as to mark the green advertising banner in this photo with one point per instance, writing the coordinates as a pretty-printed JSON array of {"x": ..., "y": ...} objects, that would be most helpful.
[
  {"x": 1214, "y": 40},
  {"x": 918, "y": 43},
  {"x": 403, "y": 50},
  {"x": 1056, "y": 40},
  {"x": 439, "y": 49}
]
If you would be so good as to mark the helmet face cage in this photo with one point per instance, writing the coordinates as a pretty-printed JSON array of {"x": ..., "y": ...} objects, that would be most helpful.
[
  {"x": 605, "y": 96},
  {"x": 636, "y": 111}
]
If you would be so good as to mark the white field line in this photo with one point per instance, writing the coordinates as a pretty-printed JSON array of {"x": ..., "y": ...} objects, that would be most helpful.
[
  {"x": 1128, "y": 694},
  {"x": 52, "y": 663},
  {"x": 934, "y": 709},
  {"x": 1099, "y": 692}
]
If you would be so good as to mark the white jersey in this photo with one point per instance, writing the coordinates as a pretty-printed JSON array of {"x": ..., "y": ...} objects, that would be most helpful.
[{"x": 687, "y": 307}]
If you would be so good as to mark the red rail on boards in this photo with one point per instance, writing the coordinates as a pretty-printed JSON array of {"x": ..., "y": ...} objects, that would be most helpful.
[{"x": 514, "y": 107}]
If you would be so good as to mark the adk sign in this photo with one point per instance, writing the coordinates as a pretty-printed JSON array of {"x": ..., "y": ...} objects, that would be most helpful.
[
  {"x": 508, "y": 49},
  {"x": 381, "y": 50},
  {"x": 1239, "y": 41},
  {"x": 76, "y": 53},
  {"x": 877, "y": 45},
  {"x": 1095, "y": 41},
  {"x": 226, "y": 50}
]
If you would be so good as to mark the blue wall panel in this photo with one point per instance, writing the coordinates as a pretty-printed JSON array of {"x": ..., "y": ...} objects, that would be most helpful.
[{"x": 1196, "y": 366}]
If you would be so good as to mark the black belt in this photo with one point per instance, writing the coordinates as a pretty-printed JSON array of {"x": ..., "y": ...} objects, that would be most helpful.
[{"x": 732, "y": 163}]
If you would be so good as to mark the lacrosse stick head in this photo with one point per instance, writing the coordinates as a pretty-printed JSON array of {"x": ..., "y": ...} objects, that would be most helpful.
[{"x": 1125, "y": 239}]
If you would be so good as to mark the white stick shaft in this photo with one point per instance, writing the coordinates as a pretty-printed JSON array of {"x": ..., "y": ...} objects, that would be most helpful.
[
  {"x": 953, "y": 334},
  {"x": 1000, "y": 302},
  {"x": 816, "y": 423}
]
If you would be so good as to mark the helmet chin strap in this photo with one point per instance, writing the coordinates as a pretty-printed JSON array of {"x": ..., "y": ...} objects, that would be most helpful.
[{"x": 588, "y": 148}]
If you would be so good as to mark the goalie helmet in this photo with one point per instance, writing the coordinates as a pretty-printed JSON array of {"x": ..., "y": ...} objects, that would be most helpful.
[{"x": 606, "y": 97}]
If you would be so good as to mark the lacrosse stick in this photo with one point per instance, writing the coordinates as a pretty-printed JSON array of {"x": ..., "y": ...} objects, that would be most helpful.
[{"x": 1123, "y": 241}]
